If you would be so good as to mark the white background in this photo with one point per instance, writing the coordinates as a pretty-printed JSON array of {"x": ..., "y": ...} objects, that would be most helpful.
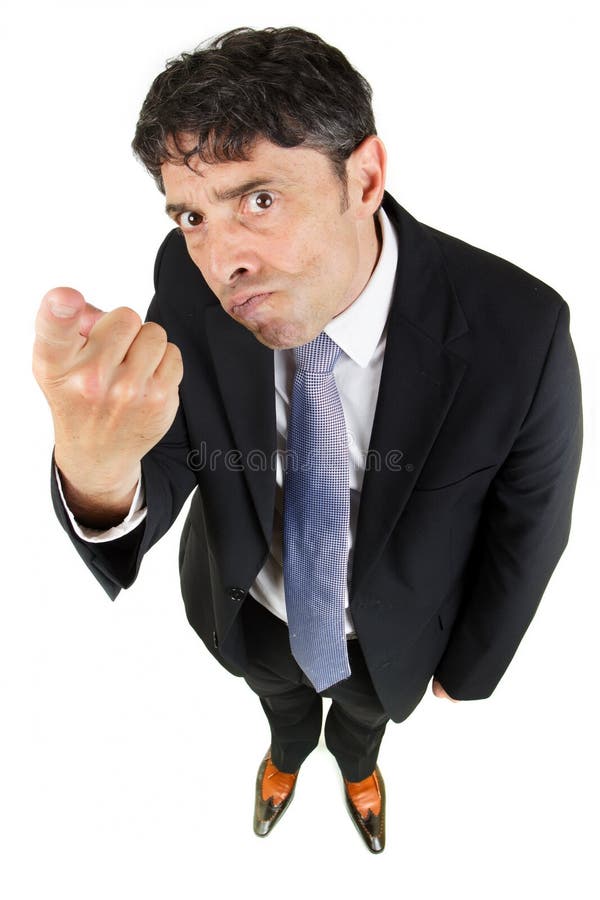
[{"x": 128, "y": 756}]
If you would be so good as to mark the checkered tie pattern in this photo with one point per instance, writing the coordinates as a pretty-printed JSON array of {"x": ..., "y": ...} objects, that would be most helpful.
[{"x": 316, "y": 510}]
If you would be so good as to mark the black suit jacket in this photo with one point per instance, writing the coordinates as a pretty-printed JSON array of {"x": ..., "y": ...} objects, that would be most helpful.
[{"x": 466, "y": 501}]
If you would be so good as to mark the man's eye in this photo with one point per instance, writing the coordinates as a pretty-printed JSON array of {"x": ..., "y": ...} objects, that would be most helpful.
[
  {"x": 188, "y": 220},
  {"x": 260, "y": 201}
]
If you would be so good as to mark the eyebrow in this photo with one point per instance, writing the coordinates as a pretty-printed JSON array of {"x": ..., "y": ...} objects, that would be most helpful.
[{"x": 223, "y": 196}]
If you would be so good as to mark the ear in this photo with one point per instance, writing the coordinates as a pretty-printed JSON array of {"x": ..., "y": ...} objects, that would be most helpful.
[{"x": 366, "y": 168}]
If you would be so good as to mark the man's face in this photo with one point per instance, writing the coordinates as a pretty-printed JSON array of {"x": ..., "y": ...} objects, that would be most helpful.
[{"x": 273, "y": 239}]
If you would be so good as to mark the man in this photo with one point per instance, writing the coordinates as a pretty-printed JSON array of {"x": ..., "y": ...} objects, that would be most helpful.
[{"x": 381, "y": 424}]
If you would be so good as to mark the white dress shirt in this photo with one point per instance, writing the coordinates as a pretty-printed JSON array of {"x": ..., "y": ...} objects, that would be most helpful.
[{"x": 360, "y": 331}]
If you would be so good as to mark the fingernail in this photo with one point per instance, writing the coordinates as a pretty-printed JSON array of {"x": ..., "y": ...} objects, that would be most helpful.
[{"x": 60, "y": 310}]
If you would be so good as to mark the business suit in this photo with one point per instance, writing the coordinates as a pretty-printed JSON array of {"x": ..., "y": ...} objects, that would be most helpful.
[{"x": 466, "y": 502}]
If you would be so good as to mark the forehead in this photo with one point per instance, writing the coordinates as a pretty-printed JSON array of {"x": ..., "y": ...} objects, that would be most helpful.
[{"x": 289, "y": 165}]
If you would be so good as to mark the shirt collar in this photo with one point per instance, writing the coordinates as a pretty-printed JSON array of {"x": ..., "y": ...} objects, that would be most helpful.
[{"x": 358, "y": 329}]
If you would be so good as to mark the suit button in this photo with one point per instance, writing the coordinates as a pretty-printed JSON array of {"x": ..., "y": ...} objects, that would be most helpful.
[
  {"x": 215, "y": 640},
  {"x": 237, "y": 594}
]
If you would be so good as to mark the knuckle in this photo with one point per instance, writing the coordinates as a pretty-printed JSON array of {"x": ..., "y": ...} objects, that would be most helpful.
[
  {"x": 125, "y": 392},
  {"x": 159, "y": 396},
  {"x": 154, "y": 331},
  {"x": 88, "y": 383},
  {"x": 124, "y": 322},
  {"x": 127, "y": 315},
  {"x": 174, "y": 358},
  {"x": 174, "y": 350},
  {"x": 164, "y": 392}
]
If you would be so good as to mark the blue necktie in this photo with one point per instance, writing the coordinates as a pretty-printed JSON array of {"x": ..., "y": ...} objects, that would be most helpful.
[{"x": 316, "y": 509}]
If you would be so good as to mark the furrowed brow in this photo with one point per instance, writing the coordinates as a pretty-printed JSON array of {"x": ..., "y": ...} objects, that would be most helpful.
[
  {"x": 173, "y": 209},
  {"x": 244, "y": 188}
]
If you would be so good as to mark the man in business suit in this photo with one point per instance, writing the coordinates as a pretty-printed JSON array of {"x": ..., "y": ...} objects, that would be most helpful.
[{"x": 454, "y": 370}]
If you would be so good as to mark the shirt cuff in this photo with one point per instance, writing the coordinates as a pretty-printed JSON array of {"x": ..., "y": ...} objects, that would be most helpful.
[{"x": 136, "y": 514}]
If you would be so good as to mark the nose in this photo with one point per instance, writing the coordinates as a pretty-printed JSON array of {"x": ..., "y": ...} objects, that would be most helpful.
[{"x": 229, "y": 251}]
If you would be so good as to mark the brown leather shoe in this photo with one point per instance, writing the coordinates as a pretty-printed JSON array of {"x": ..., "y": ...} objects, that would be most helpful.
[
  {"x": 274, "y": 791},
  {"x": 366, "y": 804}
]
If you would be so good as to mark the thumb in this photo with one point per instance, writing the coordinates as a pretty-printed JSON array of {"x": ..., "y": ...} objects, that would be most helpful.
[
  {"x": 63, "y": 302},
  {"x": 62, "y": 325}
]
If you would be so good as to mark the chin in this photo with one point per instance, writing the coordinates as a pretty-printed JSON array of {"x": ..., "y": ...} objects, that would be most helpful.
[{"x": 282, "y": 337}]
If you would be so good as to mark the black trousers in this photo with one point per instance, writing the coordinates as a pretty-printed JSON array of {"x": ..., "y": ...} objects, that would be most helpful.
[{"x": 355, "y": 723}]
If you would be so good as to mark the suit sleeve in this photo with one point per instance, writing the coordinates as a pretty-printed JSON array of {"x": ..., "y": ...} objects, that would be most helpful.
[
  {"x": 524, "y": 529},
  {"x": 167, "y": 481}
]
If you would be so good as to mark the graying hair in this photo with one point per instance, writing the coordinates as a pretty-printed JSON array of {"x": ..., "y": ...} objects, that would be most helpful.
[{"x": 285, "y": 85}]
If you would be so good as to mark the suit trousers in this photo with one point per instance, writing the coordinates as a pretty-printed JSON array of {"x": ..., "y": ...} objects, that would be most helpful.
[{"x": 356, "y": 720}]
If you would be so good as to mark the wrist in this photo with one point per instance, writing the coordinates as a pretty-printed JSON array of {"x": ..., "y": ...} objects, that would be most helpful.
[{"x": 98, "y": 505}]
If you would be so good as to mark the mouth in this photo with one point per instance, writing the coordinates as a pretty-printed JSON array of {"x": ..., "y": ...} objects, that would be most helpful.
[{"x": 245, "y": 305}]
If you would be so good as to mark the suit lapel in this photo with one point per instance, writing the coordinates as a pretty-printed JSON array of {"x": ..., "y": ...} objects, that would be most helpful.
[
  {"x": 419, "y": 379},
  {"x": 244, "y": 369}
]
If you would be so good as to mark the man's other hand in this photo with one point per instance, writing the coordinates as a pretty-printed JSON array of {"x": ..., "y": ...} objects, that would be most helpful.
[{"x": 439, "y": 691}]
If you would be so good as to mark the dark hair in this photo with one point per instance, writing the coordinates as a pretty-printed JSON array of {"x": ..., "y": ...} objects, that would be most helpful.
[{"x": 283, "y": 84}]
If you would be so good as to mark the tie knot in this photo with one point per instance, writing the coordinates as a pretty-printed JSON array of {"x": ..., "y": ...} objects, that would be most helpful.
[{"x": 319, "y": 355}]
